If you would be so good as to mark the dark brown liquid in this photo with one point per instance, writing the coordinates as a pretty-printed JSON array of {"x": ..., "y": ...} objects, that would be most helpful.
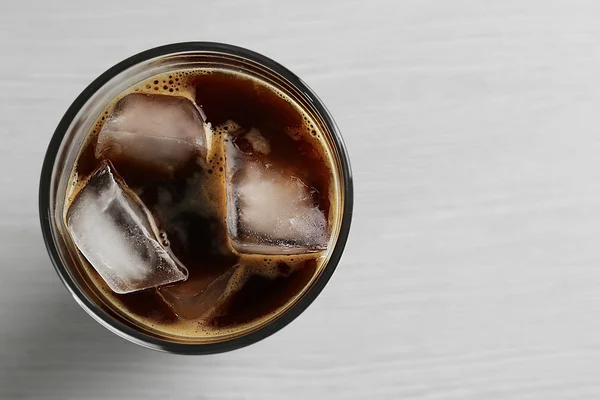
[
  {"x": 264, "y": 294},
  {"x": 197, "y": 235}
]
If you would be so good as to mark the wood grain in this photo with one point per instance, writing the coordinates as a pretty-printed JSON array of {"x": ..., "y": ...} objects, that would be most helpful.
[{"x": 472, "y": 267}]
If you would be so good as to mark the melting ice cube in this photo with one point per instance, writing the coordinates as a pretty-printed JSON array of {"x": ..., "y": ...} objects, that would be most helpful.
[
  {"x": 198, "y": 295},
  {"x": 160, "y": 132},
  {"x": 269, "y": 210},
  {"x": 118, "y": 236}
]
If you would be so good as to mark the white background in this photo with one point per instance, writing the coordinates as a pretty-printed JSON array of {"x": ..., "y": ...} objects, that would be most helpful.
[{"x": 472, "y": 269}]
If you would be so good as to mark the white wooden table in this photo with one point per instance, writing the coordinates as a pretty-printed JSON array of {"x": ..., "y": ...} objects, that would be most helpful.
[{"x": 473, "y": 265}]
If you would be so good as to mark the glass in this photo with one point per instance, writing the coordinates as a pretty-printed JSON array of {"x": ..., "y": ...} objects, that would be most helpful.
[{"x": 74, "y": 127}]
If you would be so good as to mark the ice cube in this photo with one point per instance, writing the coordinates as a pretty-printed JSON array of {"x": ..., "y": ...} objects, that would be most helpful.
[
  {"x": 160, "y": 132},
  {"x": 115, "y": 232},
  {"x": 196, "y": 296},
  {"x": 258, "y": 142},
  {"x": 269, "y": 209}
]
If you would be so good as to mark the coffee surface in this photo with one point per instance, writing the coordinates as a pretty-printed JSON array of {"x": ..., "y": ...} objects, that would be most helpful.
[{"x": 227, "y": 291}]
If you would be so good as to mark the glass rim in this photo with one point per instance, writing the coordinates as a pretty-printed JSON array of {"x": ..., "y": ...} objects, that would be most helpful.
[{"x": 119, "y": 327}]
